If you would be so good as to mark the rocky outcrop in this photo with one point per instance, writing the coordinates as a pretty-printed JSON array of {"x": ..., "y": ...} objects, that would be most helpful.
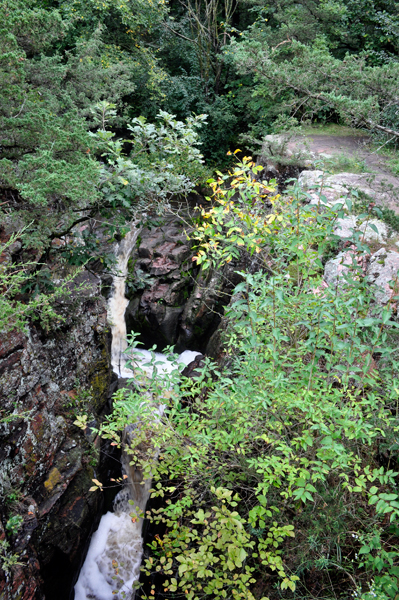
[
  {"x": 278, "y": 161},
  {"x": 379, "y": 265},
  {"x": 176, "y": 303},
  {"x": 335, "y": 188},
  {"x": 161, "y": 278},
  {"x": 337, "y": 270},
  {"x": 46, "y": 379},
  {"x": 380, "y": 269},
  {"x": 383, "y": 273},
  {"x": 368, "y": 230}
]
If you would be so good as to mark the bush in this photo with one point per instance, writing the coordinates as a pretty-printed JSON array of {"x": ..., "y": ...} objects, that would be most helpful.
[{"x": 270, "y": 468}]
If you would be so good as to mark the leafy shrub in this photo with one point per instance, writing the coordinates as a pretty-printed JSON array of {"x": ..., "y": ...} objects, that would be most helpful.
[{"x": 270, "y": 467}]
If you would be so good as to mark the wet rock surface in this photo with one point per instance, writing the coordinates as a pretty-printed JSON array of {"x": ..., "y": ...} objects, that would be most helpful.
[
  {"x": 47, "y": 463},
  {"x": 176, "y": 303}
]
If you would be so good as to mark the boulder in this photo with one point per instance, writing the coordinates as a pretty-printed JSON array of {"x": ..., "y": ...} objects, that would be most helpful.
[
  {"x": 147, "y": 245},
  {"x": 382, "y": 270},
  {"x": 337, "y": 187},
  {"x": 346, "y": 227},
  {"x": 180, "y": 253},
  {"x": 162, "y": 266},
  {"x": 191, "y": 369},
  {"x": 281, "y": 162},
  {"x": 275, "y": 145},
  {"x": 337, "y": 268},
  {"x": 165, "y": 249}
]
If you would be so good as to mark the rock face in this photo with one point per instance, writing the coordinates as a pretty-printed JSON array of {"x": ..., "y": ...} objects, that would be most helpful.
[
  {"x": 176, "y": 303},
  {"x": 380, "y": 269},
  {"x": 337, "y": 187},
  {"x": 47, "y": 463}
]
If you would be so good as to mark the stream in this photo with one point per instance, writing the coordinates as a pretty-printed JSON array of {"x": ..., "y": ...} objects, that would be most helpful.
[{"x": 118, "y": 544}]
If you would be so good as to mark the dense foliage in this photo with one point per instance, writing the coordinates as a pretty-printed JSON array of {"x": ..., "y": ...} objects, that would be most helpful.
[
  {"x": 63, "y": 172},
  {"x": 278, "y": 467},
  {"x": 249, "y": 66},
  {"x": 278, "y": 470}
]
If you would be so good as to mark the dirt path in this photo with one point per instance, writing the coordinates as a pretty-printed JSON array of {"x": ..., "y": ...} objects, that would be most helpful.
[{"x": 355, "y": 147}]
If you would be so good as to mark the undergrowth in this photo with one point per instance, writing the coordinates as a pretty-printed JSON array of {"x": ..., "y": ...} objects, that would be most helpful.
[{"x": 277, "y": 467}]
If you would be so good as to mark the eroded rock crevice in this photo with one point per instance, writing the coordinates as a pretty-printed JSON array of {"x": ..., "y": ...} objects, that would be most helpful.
[
  {"x": 48, "y": 378},
  {"x": 172, "y": 301}
]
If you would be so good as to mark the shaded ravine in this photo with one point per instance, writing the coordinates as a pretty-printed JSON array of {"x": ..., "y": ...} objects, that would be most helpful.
[{"x": 117, "y": 543}]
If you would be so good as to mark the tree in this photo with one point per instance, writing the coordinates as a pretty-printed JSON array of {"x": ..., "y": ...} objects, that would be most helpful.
[
  {"x": 61, "y": 167},
  {"x": 300, "y": 81},
  {"x": 209, "y": 26},
  {"x": 48, "y": 172}
]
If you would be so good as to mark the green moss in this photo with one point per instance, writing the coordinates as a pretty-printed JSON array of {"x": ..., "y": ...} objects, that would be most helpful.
[
  {"x": 99, "y": 388},
  {"x": 53, "y": 479}
]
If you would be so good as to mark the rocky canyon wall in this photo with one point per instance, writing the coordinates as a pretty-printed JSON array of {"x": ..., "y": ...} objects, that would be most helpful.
[{"x": 46, "y": 462}]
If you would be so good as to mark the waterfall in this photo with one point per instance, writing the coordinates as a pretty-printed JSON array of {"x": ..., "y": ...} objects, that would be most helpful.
[
  {"x": 113, "y": 561},
  {"x": 118, "y": 302},
  {"x": 112, "y": 564}
]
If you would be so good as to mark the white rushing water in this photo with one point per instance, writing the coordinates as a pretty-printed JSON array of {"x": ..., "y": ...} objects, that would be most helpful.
[{"x": 113, "y": 561}]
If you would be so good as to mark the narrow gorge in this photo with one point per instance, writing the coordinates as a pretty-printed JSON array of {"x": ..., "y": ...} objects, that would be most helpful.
[
  {"x": 199, "y": 300},
  {"x": 117, "y": 545}
]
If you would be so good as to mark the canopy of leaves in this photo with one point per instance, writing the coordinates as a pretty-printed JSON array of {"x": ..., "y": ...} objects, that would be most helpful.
[
  {"x": 62, "y": 88},
  {"x": 304, "y": 82}
]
